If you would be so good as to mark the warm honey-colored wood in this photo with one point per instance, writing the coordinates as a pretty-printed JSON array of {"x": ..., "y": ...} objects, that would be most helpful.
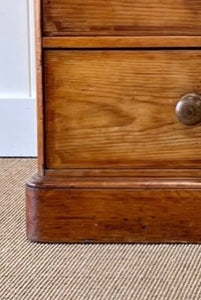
[
  {"x": 122, "y": 42},
  {"x": 121, "y": 17},
  {"x": 124, "y": 173},
  {"x": 113, "y": 215},
  {"x": 116, "y": 182},
  {"x": 117, "y": 109},
  {"x": 115, "y": 164},
  {"x": 39, "y": 86}
]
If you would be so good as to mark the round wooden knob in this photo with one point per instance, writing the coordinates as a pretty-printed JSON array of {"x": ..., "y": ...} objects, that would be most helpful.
[{"x": 188, "y": 109}]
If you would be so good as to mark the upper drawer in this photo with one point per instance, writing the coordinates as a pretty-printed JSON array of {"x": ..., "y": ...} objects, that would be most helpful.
[
  {"x": 121, "y": 17},
  {"x": 117, "y": 109}
]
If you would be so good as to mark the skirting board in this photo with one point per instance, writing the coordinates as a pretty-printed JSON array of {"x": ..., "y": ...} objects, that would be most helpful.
[{"x": 18, "y": 127}]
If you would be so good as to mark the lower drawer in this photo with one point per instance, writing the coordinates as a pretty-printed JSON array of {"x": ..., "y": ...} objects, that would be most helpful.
[{"x": 117, "y": 109}]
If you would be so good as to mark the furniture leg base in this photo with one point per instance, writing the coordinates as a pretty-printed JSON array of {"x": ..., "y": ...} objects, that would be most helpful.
[{"x": 66, "y": 212}]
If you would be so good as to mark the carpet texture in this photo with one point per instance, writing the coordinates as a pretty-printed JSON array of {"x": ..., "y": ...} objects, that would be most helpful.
[{"x": 60, "y": 271}]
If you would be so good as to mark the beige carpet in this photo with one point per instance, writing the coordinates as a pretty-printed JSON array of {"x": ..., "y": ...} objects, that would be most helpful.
[{"x": 58, "y": 271}]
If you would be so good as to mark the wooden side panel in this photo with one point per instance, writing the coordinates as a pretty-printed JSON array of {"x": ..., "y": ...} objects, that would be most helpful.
[
  {"x": 39, "y": 86},
  {"x": 121, "y": 17},
  {"x": 117, "y": 109},
  {"x": 113, "y": 215}
]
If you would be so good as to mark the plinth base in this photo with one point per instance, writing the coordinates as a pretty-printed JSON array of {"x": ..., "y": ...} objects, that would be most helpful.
[{"x": 105, "y": 210}]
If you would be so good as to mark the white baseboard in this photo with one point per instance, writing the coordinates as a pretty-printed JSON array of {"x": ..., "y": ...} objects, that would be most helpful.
[{"x": 18, "y": 127}]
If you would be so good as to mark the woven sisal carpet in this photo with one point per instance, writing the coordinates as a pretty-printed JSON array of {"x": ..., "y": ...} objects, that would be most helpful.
[{"x": 58, "y": 271}]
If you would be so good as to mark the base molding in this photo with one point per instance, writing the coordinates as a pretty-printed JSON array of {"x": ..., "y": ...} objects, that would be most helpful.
[{"x": 59, "y": 211}]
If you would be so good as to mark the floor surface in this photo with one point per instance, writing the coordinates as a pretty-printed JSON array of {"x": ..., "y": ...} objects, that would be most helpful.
[{"x": 60, "y": 271}]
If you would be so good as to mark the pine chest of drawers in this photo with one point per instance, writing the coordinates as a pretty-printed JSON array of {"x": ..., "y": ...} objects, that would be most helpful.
[{"x": 119, "y": 113}]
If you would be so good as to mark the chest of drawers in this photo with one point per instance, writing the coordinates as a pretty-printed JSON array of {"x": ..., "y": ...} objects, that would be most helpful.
[{"x": 119, "y": 113}]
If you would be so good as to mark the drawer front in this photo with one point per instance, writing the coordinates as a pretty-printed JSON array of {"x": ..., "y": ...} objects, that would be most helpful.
[
  {"x": 117, "y": 109},
  {"x": 121, "y": 17}
]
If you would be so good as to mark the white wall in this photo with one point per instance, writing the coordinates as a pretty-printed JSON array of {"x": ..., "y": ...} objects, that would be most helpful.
[{"x": 17, "y": 84}]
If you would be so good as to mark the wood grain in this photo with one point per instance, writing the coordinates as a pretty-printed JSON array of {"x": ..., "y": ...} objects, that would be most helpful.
[
  {"x": 125, "y": 173},
  {"x": 121, "y": 17},
  {"x": 116, "y": 109},
  {"x": 115, "y": 165},
  {"x": 113, "y": 215},
  {"x": 122, "y": 42},
  {"x": 140, "y": 182},
  {"x": 39, "y": 87}
]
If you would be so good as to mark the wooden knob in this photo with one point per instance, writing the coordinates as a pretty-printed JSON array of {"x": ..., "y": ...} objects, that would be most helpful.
[{"x": 188, "y": 109}]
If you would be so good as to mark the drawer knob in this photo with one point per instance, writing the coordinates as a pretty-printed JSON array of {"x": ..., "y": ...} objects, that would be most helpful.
[{"x": 188, "y": 109}]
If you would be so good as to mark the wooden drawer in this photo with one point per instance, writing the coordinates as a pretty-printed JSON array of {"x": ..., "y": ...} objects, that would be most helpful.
[
  {"x": 117, "y": 109},
  {"x": 116, "y": 162},
  {"x": 121, "y": 17}
]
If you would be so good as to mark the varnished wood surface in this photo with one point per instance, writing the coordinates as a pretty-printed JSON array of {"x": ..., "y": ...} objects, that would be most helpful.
[
  {"x": 117, "y": 109},
  {"x": 121, "y": 17},
  {"x": 140, "y": 182},
  {"x": 125, "y": 173},
  {"x": 122, "y": 42},
  {"x": 121, "y": 168},
  {"x": 39, "y": 86},
  {"x": 113, "y": 215}
]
